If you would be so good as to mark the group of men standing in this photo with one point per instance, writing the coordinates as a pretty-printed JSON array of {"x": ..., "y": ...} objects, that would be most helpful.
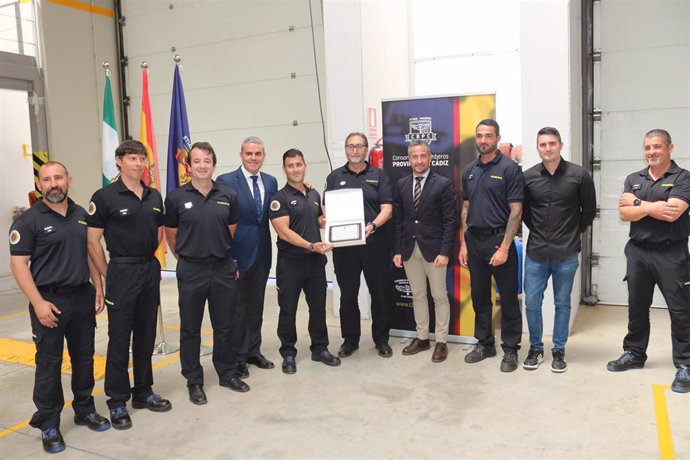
[{"x": 219, "y": 232}]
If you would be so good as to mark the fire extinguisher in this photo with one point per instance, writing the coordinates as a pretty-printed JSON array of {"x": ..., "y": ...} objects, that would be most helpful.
[{"x": 376, "y": 154}]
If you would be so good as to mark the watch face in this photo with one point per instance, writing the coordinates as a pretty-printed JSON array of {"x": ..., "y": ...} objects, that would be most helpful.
[{"x": 637, "y": 202}]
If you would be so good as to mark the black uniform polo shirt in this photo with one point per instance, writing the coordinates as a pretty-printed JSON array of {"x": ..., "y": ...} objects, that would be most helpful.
[
  {"x": 202, "y": 221},
  {"x": 131, "y": 225},
  {"x": 303, "y": 211},
  {"x": 56, "y": 244},
  {"x": 376, "y": 187},
  {"x": 557, "y": 209},
  {"x": 490, "y": 188},
  {"x": 675, "y": 183}
]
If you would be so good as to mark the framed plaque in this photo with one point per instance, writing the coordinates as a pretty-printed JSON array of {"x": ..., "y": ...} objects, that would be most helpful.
[{"x": 345, "y": 217}]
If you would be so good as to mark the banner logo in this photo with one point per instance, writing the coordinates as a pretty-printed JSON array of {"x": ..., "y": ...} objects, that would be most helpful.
[{"x": 420, "y": 130}]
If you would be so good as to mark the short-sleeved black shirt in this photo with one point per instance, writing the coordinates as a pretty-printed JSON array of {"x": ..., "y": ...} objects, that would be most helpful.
[
  {"x": 675, "y": 183},
  {"x": 130, "y": 225},
  {"x": 56, "y": 244},
  {"x": 557, "y": 209},
  {"x": 490, "y": 188},
  {"x": 376, "y": 188},
  {"x": 303, "y": 211},
  {"x": 202, "y": 221}
]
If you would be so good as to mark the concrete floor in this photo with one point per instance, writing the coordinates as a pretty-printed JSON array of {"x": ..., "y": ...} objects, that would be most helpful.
[{"x": 403, "y": 407}]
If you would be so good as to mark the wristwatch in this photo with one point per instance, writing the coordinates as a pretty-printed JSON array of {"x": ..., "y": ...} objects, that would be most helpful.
[
  {"x": 373, "y": 226},
  {"x": 637, "y": 202}
]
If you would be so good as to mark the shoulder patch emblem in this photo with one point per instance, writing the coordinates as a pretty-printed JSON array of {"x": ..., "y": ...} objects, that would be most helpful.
[
  {"x": 91, "y": 210},
  {"x": 15, "y": 237},
  {"x": 275, "y": 205}
]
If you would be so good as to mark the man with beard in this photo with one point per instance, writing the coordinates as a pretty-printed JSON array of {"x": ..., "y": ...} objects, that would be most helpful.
[
  {"x": 49, "y": 261},
  {"x": 130, "y": 216},
  {"x": 200, "y": 219},
  {"x": 493, "y": 190},
  {"x": 425, "y": 224},
  {"x": 655, "y": 202},
  {"x": 373, "y": 258},
  {"x": 296, "y": 216}
]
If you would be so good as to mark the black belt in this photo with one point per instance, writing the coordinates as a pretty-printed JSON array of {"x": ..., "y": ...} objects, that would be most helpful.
[
  {"x": 130, "y": 260},
  {"x": 60, "y": 289},
  {"x": 480, "y": 231},
  {"x": 657, "y": 245}
]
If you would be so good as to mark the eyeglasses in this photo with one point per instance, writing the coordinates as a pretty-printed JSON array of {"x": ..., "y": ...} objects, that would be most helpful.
[{"x": 355, "y": 146}]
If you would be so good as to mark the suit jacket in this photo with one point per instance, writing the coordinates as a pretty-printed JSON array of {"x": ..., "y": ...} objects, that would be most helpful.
[
  {"x": 252, "y": 237},
  {"x": 433, "y": 225}
]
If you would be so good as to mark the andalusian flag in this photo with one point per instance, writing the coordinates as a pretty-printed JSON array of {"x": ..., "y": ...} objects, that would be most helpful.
[
  {"x": 179, "y": 142},
  {"x": 109, "y": 140},
  {"x": 148, "y": 138}
]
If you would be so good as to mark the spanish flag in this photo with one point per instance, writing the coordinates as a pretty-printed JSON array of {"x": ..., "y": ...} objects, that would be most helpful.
[{"x": 148, "y": 138}]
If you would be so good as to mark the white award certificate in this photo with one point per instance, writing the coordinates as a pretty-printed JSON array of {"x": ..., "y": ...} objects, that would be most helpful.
[{"x": 345, "y": 217}]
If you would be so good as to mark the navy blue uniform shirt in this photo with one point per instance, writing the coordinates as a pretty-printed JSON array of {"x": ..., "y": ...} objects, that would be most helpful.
[{"x": 490, "y": 188}]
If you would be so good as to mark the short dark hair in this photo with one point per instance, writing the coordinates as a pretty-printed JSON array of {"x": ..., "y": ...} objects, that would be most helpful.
[
  {"x": 292, "y": 153},
  {"x": 549, "y": 131},
  {"x": 362, "y": 135},
  {"x": 202, "y": 146},
  {"x": 661, "y": 133},
  {"x": 130, "y": 146},
  {"x": 489, "y": 122}
]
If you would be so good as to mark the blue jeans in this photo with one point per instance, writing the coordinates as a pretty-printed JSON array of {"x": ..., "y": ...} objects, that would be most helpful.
[{"x": 536, "y": 279}]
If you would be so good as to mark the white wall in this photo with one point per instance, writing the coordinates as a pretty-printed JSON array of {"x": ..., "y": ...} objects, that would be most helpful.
[
  {"x": 18, "y": 179},
  {"x": 551, "y": 94},
  {"x": 74, "y": 43}
]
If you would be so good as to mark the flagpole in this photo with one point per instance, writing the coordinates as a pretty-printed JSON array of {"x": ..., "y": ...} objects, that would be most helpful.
[
  {"x": 163, "y": 347},
  {"x": 203, "y": 349}
]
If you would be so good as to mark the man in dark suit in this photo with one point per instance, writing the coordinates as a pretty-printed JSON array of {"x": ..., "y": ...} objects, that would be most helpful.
[
  {"x": 425, "y": 215},
  {"x": 251, "y": 248}
]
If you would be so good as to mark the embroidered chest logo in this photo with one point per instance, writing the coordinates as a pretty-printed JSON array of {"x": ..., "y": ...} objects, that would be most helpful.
[
  {"x": 188, "y": 205},
  {"x": 124, "y": 212}
]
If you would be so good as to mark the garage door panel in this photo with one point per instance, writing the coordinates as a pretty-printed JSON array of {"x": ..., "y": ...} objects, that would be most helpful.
[
  {"x": 612, "y": 234},
  {"x": 635, "y": 24},
  {"x": 623, "y": 132},
  {"x": 646, "y": 78}
]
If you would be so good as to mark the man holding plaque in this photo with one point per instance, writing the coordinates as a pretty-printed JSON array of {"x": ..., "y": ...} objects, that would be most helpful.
[
  {"x": 372, "y": 258},
  {"x": 296, "y": 216},
  {"x": 425, "y": 215}
]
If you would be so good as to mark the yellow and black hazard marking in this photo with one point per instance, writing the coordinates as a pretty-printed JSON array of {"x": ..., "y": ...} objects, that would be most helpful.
[{"x": 40, "y": 158}]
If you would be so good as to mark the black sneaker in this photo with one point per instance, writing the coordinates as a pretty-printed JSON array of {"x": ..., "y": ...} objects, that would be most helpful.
[
  {"x": 479, "y": 353},
  {"x": 52, "y": 441},
  {"x": 535, "y": 357},
  {"x": 628, "y": 360},
  {"x": 558, "y": 364},
  {"x": 510, "y": 361},
  {"x": 681, "y": 384}
]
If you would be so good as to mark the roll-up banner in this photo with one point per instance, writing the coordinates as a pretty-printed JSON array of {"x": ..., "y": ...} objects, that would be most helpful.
[{"x": 447, "y": 123}]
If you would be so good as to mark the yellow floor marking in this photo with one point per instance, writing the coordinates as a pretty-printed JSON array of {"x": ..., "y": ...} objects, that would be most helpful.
[
  {"x": 171, "y": 359},
  {"x": 14, "y": 315},
  {"x": 663, "y": 426},
  {"x": 20, "y": 352}
]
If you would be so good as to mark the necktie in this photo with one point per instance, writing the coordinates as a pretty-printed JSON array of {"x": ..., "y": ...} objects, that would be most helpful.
[
  {"x": 257, "y": 196},
  {"x": 417, "y": 192}
]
